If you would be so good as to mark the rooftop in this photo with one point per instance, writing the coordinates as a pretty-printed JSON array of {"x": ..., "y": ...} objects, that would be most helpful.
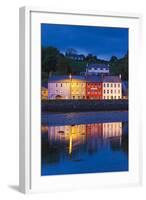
[
  {"x": 113, "y": 79},
  {"x": 95, "y": 65},
  {"x": 65, "y": 78},
  {"x": 93, "y": 79}
]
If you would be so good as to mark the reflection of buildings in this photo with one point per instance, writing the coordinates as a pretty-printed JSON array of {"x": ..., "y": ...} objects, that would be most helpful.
[{"x": 91, "y": 137}]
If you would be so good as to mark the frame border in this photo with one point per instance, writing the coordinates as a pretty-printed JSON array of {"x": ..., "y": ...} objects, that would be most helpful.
[{"x": 25, "y": 85}]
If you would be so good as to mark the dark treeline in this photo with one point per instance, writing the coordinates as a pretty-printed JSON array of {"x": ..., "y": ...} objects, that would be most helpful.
[{"x": 56, "y": 63}]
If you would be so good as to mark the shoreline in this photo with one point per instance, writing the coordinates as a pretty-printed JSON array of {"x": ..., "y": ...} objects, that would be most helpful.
[{"x": 66, "y": 106}]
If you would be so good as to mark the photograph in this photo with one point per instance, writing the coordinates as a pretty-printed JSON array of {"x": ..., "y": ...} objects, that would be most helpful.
[{"x": 84, "y": 99}]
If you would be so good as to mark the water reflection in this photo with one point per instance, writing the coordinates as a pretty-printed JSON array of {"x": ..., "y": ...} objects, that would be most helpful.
[{"x": 97, "y": 147}]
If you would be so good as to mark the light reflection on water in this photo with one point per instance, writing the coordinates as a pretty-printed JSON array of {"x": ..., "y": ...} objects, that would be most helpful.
[{"x": 84, "y": 148}]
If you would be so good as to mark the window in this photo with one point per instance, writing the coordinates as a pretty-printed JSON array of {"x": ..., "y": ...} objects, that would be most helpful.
[
  {"x": 119, "y": 91},
  {"x": 107, "y": 91},
  {"x": 104, "y": 84},
  {"x": 78, "y": 97},
  {"x": 119, "y": 97},
  {"x": 73, "y": 97},
  {"x": 115, "y": 84},
  {"x": 119, "y": 85},
  {"x": 115, "y": 97},
  {"x": 108, "y": 85},
  {"x": 115, "y": 91},
  {"x": 107, "y": 97},
  {"x": 111, "y": 91},
  {"x": 111, "y": 97},
  {"x": 56, "y": 84},
  {"x": 61, "y": 84}
]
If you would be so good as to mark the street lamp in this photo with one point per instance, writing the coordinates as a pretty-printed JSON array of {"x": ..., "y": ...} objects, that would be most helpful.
[{"x": 70, "y": 84}]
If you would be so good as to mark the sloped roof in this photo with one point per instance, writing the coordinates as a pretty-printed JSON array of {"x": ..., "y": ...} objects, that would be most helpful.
[
  {"x": 95, "y": 65},
  {"x": 95, "y": 79},
  {"x": 113, "y": 79},
  {"x": 66, "y": 78}
]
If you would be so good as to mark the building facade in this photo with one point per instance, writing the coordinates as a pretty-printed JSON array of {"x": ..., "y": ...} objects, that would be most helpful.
[
  {"x": 63, "y": 87},
  {"x": 59, "y": 87},
  {"x": 111, "y": 87},
  {"x": 85, "y": 87},
  {"x": 78, "y": 87},
  {"x": 97, "y": 69},
  {"x": 93, "y": 87},
  {"x": 44, "y": 93}
]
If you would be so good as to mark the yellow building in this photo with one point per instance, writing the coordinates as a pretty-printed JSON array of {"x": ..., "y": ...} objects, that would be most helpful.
[
  {"x": 67, "y": 87},
  {"x": 78, "y": 87},
  {"x": 44, "y": 93}
]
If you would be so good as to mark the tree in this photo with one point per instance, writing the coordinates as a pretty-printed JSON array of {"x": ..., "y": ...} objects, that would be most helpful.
[
  {"x": 70, "y": 52},
  {"x": 49, "y": 59},
  {"x": 91, "y": 58}
]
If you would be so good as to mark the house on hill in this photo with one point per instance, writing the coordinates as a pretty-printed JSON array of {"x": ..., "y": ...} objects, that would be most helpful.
[{"x": 97, "y": 69}]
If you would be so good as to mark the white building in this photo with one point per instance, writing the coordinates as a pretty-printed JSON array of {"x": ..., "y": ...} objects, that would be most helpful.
[
  {"x": 59, "y": 87},
  {"x": 64, "y": 87},
  {"x": 112, "y": 87},
  {"x": 97, "y": 69}
]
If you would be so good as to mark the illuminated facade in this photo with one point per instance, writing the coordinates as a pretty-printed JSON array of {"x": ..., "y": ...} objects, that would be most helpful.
[
  {"x": 44, "y": 93},
  {"x": 78, "y": 87},
  {"x": 93, "y": 87},
  {"x": 85, "y": 87},
  {"x": 63, "y": 87},
  {"x": 59, "y": 87},
  {"x": 97, "y": 69},
  {"x": 112, "y": 87}
]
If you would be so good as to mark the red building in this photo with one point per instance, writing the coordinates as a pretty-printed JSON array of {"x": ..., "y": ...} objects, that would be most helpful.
[{"x": 93, "y": 87}]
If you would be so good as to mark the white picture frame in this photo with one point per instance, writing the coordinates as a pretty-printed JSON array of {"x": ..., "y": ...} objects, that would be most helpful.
[{"x": 29, "y": 143}]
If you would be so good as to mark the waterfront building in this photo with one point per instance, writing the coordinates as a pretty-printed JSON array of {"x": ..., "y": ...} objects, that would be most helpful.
[
  {"x": 44, "y": 93},
  {"x": 78, "y": 87},
  {"x": 112, "y": 87},
  {"x": 63, "y": 87},
  {"x": 97, "y": 69},
  {"x": 59, "y": 87},
  {"x": 93, "y": 87}
]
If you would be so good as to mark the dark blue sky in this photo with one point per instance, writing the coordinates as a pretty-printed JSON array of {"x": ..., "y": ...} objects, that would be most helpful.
[{"x": 101, "y": 41}]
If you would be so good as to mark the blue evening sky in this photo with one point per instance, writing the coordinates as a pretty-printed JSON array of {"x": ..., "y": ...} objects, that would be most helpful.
[{"x": 103, "y": 42}]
